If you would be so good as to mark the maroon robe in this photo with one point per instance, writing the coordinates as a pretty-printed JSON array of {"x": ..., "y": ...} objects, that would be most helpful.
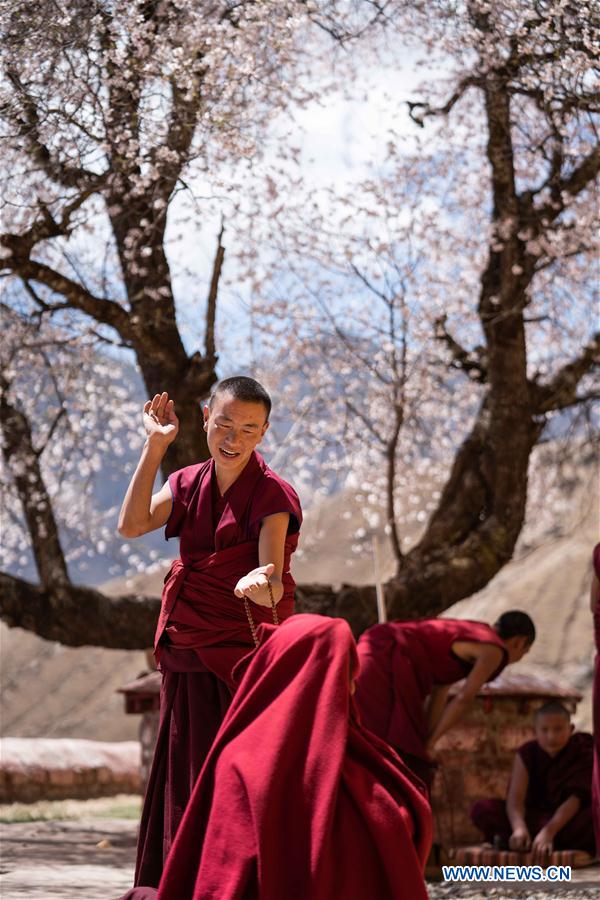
[
  {"x": 296, "y": 799},
  {"x": 552, "y": 780},
  {"x": 596, "y": 709},
  {"x": 400, "y": 664},
  {"x": 203, "y": 631}
]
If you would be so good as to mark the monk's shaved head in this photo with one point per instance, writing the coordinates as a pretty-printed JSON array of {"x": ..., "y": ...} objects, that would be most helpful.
[
  {"x": 515, "y": 623},
  {"x": 240, "y": 387},
  {"x": 553, "y": 708}
]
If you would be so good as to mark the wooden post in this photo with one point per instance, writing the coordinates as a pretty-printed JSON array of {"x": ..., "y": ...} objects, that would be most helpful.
[{"x": 381, "y": 610}]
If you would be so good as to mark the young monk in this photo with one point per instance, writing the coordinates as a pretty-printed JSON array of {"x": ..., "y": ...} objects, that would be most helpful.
[
  {"x": 406, "y": 669},
  {"x": 548, "y": 801},
  {"x": 296, "y": 799},
  {"x": 238, "y": 525}
]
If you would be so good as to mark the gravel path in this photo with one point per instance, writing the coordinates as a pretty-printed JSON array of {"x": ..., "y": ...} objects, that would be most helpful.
[
  {"x": 92, "y": 859},
  {"x": 589, "y": 890},
  {"x": 86, "y": 859}
]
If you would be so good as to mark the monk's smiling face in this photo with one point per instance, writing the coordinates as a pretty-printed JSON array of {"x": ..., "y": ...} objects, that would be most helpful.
[
  {"x": 552, "y": 732},
  {"x": 233, "y": 429}
]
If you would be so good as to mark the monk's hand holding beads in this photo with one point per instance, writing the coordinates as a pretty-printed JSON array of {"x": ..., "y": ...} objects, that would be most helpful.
[
  {"x": 252, "y": 586},
  {"x": 255, "y": 585}
]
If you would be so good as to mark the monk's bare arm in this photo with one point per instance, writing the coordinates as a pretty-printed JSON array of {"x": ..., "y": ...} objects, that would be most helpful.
[
  {"x": 142, "y": 511},
  {"x": 436, "y": 705},
  {"x": 520, "y": 838},
  {"x": 488, "y": 659},
  {"x": 543, "y": 842},
  {"x": 271, "y": 552},
  {"x": 565, "y": 812}
]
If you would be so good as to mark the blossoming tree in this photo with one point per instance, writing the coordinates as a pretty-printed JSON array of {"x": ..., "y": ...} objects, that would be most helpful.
[{"x": 121, "y": 101}]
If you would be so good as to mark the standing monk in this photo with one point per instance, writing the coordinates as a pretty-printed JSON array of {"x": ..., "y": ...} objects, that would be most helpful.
[
  {"x": 406, "y": 669},
  {"x": 238, "y": 525}
]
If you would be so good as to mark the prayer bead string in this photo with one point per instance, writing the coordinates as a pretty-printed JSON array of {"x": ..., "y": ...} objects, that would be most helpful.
[{"x": 251, "y": 622}]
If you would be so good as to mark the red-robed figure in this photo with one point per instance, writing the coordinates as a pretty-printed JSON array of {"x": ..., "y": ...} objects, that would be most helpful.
[
  {"x": 297, "y": 800},
  {"x": 406, "y": 669},
  {"x": 238, "y": 524}
]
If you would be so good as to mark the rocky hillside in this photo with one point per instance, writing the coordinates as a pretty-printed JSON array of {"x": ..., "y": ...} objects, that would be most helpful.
[{"x": 55, "y": 691}]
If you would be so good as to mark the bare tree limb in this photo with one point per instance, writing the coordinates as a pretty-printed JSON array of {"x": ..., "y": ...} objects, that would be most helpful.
[
  {"x": 366, "y": 422},
  {"x": 211, "y": 306},
  {"x": 561, "y": 391},
  {"x": 464, "y": 360},
  {"x": 28, "y": 125},
  {"x": 60, "y": 414},
  {"x": 583, "y": 175},
  {"x": 100, "y": 308},
  {"x": 77, "y": 616},
  {"x": 22, "y": 460},
  {"x": 426, "y": 110},
  {"x": 44, "y": 227}
]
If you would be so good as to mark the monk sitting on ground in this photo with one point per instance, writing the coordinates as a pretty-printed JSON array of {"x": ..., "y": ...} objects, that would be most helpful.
[
  {"x": 407, "y": 668},
  {"x": 548, "y": 804}
]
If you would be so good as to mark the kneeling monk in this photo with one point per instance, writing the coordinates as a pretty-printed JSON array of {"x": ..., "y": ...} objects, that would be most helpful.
[
  {"x": 238, "y": 525},
  {"x": 296, "y": 799},
  {"x": 406, "y": 669},
  {"x": 548, "y": 804}
]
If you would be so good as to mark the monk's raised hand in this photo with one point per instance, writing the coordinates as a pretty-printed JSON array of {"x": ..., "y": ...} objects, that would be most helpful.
[
  {"x": 254, "y": 585},
  {"x": 160, "y": 422}
]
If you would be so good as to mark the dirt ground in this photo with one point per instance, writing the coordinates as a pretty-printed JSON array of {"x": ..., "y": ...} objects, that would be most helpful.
[
  {"x": 87, "y": 859},
  {"x": 90, "y": 857}
]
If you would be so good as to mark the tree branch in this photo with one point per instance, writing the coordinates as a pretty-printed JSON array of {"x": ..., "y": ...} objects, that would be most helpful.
[
  {"x": 22, "y": 461},
  {"x": 19, "y": 262},
  {"x": 43, "y": 228},
  {"x": 211, "y": 306},
  {"x": 77, "y": 616},
  {"x": 103, "y": 310},
  {"x": 366, "y": 422},
  {"x": 60, "y": 414},
  {"x": 29, "y": 128},
  {"x": 427, "y": 110},
  {"x": 561, "y": 392},
  {"x": 576, "y": 182},
  {"x": 462, "y": 359}
]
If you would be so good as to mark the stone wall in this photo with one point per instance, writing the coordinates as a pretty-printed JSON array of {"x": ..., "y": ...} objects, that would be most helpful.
[{"x": 34, "y": 769}]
